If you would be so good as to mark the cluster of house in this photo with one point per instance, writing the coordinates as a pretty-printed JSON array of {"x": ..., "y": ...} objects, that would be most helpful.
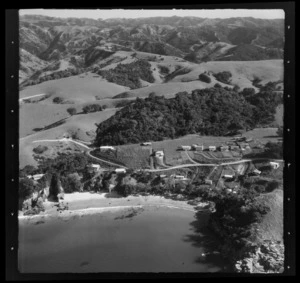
[
  {"x": 230, "y": 174},
  {"x": 96, "y": 168},
  {"x": 236, "y": 144},
  {"x": 176, "y": 177},
  {"x": 196, "y": 147}
]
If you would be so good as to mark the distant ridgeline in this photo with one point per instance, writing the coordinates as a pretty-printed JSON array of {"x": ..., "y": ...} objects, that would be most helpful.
[{"x": 212, "y": 111}]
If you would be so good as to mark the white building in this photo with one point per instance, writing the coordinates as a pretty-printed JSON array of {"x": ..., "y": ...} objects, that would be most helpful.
[
  {"x": 228, "y": 176},
  {"x": 212, "y": 148},
  {"x": 159, "y": 153},
  {"x": 256, "y": 171},
  {"x": 120, "y": 170},
  {"x": 274, "y": 165},
  {"x": 105, "y": 147},
  {"x": 95, "y": 167},
  {"x": 198, "y": 147}
]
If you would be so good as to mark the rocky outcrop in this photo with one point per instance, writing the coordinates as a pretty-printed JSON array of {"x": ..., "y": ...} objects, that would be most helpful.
[
  {"x": 267, "y": 258},
  {"x": 33, "y": 205},
  {"x": 264, "y": 257}
]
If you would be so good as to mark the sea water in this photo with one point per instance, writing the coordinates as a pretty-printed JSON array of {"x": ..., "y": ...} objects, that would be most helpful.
[{"x": 144, "y": 239}]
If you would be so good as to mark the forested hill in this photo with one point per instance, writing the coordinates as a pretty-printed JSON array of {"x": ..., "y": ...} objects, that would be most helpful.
[{"x": 212, "y": 111}]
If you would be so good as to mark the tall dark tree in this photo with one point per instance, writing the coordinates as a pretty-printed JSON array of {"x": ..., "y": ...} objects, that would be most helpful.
[{"x": 54, "y": 187}]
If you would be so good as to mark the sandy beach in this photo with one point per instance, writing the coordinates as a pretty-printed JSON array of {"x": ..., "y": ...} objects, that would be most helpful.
[{"x": 91, "y": 203}]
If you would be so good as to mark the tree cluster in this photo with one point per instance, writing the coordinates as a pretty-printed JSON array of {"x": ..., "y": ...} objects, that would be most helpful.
[
  {"x": 204, "y": 78},
  {"x": 129, "y": 74},
  {"x": 213, "y": 111},
  {"x": 223, "y": 77},
  {"x": 91, "y": 108}
]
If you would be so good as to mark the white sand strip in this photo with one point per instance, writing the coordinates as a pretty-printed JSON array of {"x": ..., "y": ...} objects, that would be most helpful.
[{"x": 94, "y": 210}]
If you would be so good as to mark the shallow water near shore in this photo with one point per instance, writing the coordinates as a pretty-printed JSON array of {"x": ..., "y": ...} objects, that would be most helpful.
[{"x": 146, "y": 239}]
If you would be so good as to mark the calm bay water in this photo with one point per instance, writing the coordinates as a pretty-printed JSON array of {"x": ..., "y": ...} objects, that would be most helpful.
[{"x": 143, "y": 240}]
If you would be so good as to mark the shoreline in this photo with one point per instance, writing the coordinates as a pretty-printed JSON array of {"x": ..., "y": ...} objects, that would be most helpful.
[{"x": 92, "y": 203}]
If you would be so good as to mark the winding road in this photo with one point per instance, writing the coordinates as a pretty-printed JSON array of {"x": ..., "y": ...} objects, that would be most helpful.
[
  {"x": 28, "y": 97},
  {"x": 194, "y": 164},
  {"x": 87, "y": 152}
]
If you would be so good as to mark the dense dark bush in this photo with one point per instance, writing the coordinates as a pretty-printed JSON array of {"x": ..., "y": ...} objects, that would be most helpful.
[
  {"x": 26, "y": 188},
  {"x": 40, "y": 149},
  {"x": 91, "y": 108},
  {"x": 204, "y": 78},
  {"x": 58, "y": 100},
  {"x": 72, "y": 183},
  {"x": 72, "y": 111},
  {"x": 271, "y": 150},
  {"x": 129, "y": 74},
  {"x": 265, "y": 103},
  {"x": 28, "y": 170},
  {"x": 237, "y": 212},
  {"x": 54, "y": 188},
  {"x": 122, "y": 103},
  {"x": 223, "y": 77},
  {"x": 64, "y": 164},
  {"x": 164, "y": 70},
  {"x": 207, "y": 111}
]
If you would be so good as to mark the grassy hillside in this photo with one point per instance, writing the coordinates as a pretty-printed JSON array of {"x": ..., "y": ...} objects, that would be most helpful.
[
  {"x": 80, "y": 88},
  {"x": 271, "y": 227},
  {"x": 81, "y": 126}
]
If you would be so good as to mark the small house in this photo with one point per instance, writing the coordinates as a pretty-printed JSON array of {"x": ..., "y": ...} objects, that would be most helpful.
[
  {"x": 162, "y": 176},
  {"x": 120, "y": 170},
  {"x": 209, "y": 182},
  {"x": 95, "y": 167},
  {"x": 256, "y": 172},
  {"x": 103, "y": 148},
  {"x": 249, "y": 139},
  {"x": 198, "y": 147},
  {"x": 224, "y": 147},
  {"x": 212, "y": 148},
  {"x": 274, "y": 165},
  {"x": 228, "y": 176},
  {"x": 159, "y": 153},
  {"x": 243, "y": 145},
  {"x": 146, "y": 143},
  {"x": 186, "y": 147}
]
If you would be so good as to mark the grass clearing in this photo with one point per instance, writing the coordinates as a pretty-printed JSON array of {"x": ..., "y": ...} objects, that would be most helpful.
[
  {"x": 131, "y": 156},
  {"x": 271, "y": 227}
]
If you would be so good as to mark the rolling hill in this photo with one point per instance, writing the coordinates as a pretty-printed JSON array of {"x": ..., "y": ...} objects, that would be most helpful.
[{"x": 197, "y": 39}]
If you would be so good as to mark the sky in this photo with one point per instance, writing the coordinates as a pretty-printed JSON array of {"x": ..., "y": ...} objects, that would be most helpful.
[{"x": 119, "y": 13}]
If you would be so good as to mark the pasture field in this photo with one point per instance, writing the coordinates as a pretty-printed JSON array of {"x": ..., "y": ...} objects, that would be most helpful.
[
  {"x": 79, "y": 89},
  {"x": 131, "y": 156},
  {"x": 80, "y": 126}
]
